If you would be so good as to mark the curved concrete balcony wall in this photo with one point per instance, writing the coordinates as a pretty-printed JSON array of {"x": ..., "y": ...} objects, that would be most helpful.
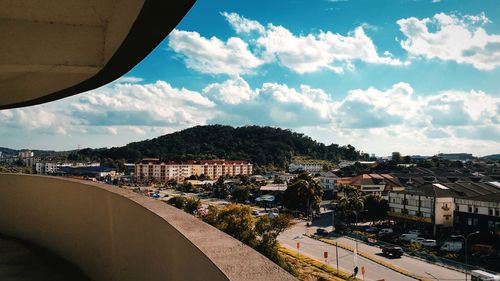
[{"x": 115, "y": 234}]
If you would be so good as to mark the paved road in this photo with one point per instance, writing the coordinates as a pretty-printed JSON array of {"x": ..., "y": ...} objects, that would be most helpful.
[
  {"x": 314, "y": 249},
  {"x": 419, "y": 267}
]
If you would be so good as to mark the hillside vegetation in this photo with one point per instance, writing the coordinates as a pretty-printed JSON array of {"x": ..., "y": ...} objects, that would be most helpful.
[{"x": 260, "y": 145}]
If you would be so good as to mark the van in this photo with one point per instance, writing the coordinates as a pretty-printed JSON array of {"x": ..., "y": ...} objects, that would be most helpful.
[
  {"x": 385, "y": 232},
  {"x": 407, "y": 237},
  {"x": 451, "y": 246}
]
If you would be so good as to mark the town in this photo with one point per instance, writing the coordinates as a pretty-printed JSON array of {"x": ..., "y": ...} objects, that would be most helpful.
[{"x": 444, "y": 209}]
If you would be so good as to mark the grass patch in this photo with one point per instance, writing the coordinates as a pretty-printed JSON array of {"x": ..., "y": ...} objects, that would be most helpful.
[{"x": 308, "y": 268}]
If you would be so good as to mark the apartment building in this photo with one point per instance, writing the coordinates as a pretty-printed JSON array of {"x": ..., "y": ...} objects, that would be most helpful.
[
  {"x": 432, "y": 205},
  {"x": 45, "y": 168},
  {"x": 153, "y": 168},
  {"x": 310, "y": 167},
  {"x": 478, "y": 213}
]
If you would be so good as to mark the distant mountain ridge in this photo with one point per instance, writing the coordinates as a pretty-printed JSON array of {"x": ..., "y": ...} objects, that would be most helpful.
[
  {"x": 491, "y": 157},
  {"x": 260, "y": 145}
]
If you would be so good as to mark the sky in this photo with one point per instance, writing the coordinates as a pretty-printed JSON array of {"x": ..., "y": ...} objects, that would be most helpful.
[{"x": 414, "y": 76}]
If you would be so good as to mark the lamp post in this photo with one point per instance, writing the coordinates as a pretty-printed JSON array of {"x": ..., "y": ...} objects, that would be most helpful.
[{"x": 465, "y": 238}]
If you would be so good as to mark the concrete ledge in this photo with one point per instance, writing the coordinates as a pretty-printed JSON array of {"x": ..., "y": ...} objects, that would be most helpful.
[{"x": 115, "y": 234}]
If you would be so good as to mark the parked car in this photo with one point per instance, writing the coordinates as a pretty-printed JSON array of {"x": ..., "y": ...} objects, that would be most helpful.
[
  {"x": 392, "y": 251},
  {"x": 424, "y": 242},
  {"x": 371, "y": 229},
  {"x": 407, "y": 237},
  {"x": 255, "y": 212},
  {"x": 385, "y": 232},
  {"x": 451, "y": 246},
  {"x": 415, "y": 231}
]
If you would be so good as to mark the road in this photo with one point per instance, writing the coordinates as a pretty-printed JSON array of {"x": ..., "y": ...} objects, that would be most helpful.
[
  {"x": 374, "y": 271},
  {"x": 315, "y": 249}
]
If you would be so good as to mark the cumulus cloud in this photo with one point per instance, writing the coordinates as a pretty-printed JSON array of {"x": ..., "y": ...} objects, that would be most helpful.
[
  {"x": 213, "y": 55},
  {"x": 325, "y": 50},
  {"x": 232, "y": 91},
  {"x": 299, "y": 53},
  {"x": 363, "y": 116},
  {"x": 450, "y": 37},
  {"x": 241, "y": 24}
]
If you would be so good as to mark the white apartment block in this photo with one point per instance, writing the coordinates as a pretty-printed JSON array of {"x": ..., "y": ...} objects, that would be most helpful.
[
  {"x": 151, "y": 168},
  {"x": 310, "y": 167}
]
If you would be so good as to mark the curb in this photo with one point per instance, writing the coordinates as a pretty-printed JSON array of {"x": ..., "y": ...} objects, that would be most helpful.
[
  {"x": 385, "y": 264},
  {"x": 342, "y": 276}
]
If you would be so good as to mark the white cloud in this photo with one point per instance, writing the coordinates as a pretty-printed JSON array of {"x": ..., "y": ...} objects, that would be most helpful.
[
  {"x": 212, "y": 55},
  {"x": 456, "y": 38},
  {"x": 325, "y": 50},
  {"x": 232, "y": 91},
  {"x": 241, "y": 24},
  {"x": 129, "y": 79},
  {"x": 300, "y": 53}
]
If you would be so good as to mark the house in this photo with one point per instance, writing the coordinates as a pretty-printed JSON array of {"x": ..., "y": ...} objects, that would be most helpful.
[
  {"x": 327, "y": 180},
  {"x": 376, "y": 184}
]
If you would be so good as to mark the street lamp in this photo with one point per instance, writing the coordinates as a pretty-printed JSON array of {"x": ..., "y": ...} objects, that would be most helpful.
[
  {"x": 465, "y": 238},
  {"x": 356, "y": 254}
]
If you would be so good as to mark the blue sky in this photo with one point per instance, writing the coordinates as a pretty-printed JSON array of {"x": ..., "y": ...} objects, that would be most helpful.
[{"x": 419, "y": 77}]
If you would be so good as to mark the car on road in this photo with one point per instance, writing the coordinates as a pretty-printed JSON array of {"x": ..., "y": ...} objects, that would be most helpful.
[
  {"x": 385, "y": 232},
  {"x": 392, "y": 251},
  {"x": 321, "y": 231},
  {"x": 255, "y": 212},
  {"x": 371, "y": 229}
]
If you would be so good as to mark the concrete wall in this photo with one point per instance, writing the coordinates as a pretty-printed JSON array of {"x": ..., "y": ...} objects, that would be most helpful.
[{"x": 115, "y": 234}]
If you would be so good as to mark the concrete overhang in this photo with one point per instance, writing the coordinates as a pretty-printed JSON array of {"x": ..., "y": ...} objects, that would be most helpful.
[{"x": 53, "y": 49}]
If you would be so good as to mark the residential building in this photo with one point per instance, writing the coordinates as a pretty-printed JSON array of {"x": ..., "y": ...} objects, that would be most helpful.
[
  {"x": 328, "y": 180},
  {"x": 285, "y": 177},
  {"x": 154, "y": 169},
  {"x": 44, "y": 168},
  {"x": 306, "y": 166},
  {"x": 456, "y": 156},
  {"x": 376, "y": 184},
  {"x": 480, "y": 212},
  {"x": 431, "y": 205}
]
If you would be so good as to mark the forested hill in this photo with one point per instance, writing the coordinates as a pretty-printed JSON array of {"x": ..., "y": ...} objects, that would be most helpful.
[{"x": 260, "y": 145}]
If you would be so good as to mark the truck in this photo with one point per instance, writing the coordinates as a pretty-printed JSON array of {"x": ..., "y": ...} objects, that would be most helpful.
[{"x": 451, "y": 246}]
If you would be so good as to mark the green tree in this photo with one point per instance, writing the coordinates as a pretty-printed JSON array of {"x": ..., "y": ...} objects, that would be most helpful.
[
  {"x": 241, "y": 193},
  {"x": 303, "y": 194},
  {"x": 351, "y": 199}
]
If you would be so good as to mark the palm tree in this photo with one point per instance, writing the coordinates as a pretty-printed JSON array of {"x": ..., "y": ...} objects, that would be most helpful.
[
  {"x": 307, "y": 191},
  {"x": 352, "y": 199}
]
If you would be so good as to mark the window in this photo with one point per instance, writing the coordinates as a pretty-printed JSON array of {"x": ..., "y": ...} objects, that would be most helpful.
[
  {"x": 475, "y": 222},
  {"x": 490, "y": 212},
  {"x": 497, "y": 212},
  {"x": 475, "y": 210},
  {"x": 469, "y": 221},
  {"x": 469, "y": 209}
]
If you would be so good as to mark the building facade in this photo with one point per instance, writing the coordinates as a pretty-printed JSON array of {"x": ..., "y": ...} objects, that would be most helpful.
[
  {"x": 154, "y": 169},
  {"x": 478, "y": 213}
]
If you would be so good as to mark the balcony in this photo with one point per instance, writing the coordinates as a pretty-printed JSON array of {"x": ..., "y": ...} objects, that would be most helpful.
[{"x": 114, "y": 234}]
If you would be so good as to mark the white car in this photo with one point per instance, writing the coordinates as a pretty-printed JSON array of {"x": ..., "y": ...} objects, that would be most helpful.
[{"x": 424, "y": 242}]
